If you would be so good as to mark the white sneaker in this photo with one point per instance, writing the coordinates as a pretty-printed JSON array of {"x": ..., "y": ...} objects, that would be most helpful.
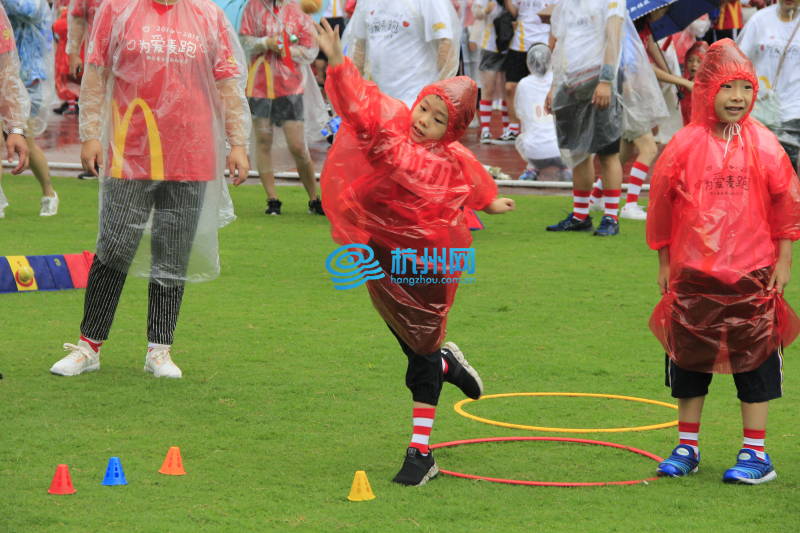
[
  {"x": 49, "y": 205},
  {"x": 596, "y": 204},
  {"x": 160, "y": 363},
  {"x": 486, "y": 136},
  {"x": 80, "y": 359},
  {"x": 633, "y": 212}
]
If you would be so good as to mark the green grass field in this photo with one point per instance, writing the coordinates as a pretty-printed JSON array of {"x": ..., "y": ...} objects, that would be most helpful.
[{"x": 291, "y": 386}]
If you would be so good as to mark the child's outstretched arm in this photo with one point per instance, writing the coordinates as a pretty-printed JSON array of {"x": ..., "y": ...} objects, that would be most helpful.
[{"x": 499, "y": 206}]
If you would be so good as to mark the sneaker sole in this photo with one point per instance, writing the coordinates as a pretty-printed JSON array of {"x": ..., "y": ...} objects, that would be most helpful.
[
  {"x": 659, "y": 473},
  {"x": 92, "y": 368},
  {"x": 151, "y": 371},
  {"x": 590, "y": 228},
  {"x": 456, "y": 351},
  {"x": 743, "y": 481},
  {"x": 429, "y": 475},
  {"x": 502, "y": 143}
]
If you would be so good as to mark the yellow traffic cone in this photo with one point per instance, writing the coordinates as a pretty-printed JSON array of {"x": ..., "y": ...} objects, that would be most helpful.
[{"x": 360, "y": 491}]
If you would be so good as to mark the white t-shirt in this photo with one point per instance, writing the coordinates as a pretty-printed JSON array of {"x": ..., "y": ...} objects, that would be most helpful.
[
  {"x": 488, "y": 40},
  {"x": 530, "y": 28},
  {"x": 538, "y": 138},
  {"x": 401, "y": 43},
  {"x": 580, "y": 29},
  {"x": 763, "y": 40},
  {"x": 335, "y": 8}
]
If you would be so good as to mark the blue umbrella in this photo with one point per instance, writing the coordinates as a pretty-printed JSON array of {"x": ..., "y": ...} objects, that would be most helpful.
[
  {"x": 682, "y": 13},
  {"x": 639, "y": 8}
]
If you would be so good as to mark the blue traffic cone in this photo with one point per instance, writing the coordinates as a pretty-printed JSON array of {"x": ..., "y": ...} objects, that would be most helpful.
[{"x": 114, "y": 473}]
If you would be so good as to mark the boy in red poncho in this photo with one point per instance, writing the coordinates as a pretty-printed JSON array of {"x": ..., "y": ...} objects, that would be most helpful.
[
  {"x": 724, "y": 210},
  {"x": 397, "y": 180},
  {"x": 694, "y": 58}
]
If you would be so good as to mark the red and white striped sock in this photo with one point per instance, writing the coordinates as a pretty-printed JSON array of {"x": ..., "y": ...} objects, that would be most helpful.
[
  {"x": 485, "y": 113},
  {"x": 754, "y": 440},
  {"x": 611, "y": 202},
  {"x": 504, "y": 110},
  {"x": 580, "y": 204},
  {"x": 597, "y": 191},
  {"x": 635, "y": 180},
  {"x": 688, "y": 433},
  {"x": 513, "y": 127},
  {"x": 423, "y": 422},
  {"x": 95, "y": 345}
]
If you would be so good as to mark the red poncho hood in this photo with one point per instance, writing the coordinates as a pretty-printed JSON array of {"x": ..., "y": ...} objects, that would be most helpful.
[{"x": 459, "y": 95}]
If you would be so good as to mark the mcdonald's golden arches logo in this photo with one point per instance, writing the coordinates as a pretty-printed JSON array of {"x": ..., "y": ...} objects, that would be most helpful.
[
  {"x": 251, "y": 77},
  {"x": 121, "y": 125}
]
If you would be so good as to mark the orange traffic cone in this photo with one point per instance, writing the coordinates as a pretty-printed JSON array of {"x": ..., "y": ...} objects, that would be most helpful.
[
  {"x": 173, "y": 464},
  {"x": 360, "y": 491},
  {"x": 62, "y": 483}
]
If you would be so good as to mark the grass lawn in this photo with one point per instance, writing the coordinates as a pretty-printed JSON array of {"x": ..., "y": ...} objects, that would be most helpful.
[{"x": 291, "y": 386}]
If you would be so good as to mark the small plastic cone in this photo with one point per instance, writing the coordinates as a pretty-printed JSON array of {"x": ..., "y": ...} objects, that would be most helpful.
[
  {"x": 173, "y": 464},
  {"x": 360, "y": 491},
  {"x": 62, "y": 483},
  {"x": 114, "y": 473}
]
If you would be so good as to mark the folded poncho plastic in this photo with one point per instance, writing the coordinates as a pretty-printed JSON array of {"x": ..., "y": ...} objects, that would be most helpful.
[
  {"x": 381, "y": 189},
  {"x": 721, "y": 205}
]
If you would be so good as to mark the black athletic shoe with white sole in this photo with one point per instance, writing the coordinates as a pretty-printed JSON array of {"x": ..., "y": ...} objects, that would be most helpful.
[
  {"x": 417, "y": 469},
  {"x": 460, "y": 373}
]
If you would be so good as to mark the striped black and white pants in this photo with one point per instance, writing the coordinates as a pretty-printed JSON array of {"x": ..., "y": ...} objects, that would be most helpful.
[{"x": 126, "y": 209}]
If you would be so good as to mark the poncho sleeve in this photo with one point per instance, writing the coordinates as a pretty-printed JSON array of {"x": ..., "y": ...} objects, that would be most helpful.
[
  {"x": 483, "y": 189},
  {"x": 784, "y": 190},
  {"x": 659, "y": 209},
  {"x": 357, "y": 101}
]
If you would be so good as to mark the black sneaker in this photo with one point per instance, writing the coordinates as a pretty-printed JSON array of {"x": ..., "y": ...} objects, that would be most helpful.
[
  {"x": 608, "y": 227},
  {"x": 571, "y": 223},
  {"x": 417, "y": 469},
  {"x": 273, "y": 207},
  {"x": 315, "y": 207},
  {"x": 460, "y": 373}
]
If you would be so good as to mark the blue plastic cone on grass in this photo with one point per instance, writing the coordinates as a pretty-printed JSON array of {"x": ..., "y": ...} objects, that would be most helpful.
[{"x": 114, "y": 474}]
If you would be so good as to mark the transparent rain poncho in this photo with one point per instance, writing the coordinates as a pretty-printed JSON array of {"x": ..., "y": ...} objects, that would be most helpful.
[
  {"x": 271, "y": 76},
  {"x": 721, "y": 205},
  {"x": 589, "y": 35},
  {"x": 80, "y": 17},
  {"x": 163, "y": 89},
  {"x": 14, "y": 102},
  {"x": 32, "y": 24},
  {"x": 403, "y": 45},
  {"x": 381, "y": 189}
]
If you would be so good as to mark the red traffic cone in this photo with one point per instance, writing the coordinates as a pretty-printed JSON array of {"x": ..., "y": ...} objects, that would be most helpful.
[{"x": 62, "y": 483}]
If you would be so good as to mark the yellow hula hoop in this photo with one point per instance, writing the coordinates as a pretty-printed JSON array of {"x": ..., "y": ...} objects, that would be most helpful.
[{"x": 460, "y": 410}]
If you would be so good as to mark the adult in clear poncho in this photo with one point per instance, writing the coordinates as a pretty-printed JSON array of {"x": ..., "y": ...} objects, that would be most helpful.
[
  {"x": 80, "y": 19},
  {"x": 281, "y": 44},
  {"x": 585, "y": 99},
  {"x": 537, "y": 142},
  {"x": 397, "y": 180},
  {"x": 724, "y": 210},
  {"x": 14, "y": 102},
  {"x": 404, "y": 45},
  {"x": 31, "y": 21},
  {"x": 162, "y": 90},
  {"x": 771, "y": 39}
]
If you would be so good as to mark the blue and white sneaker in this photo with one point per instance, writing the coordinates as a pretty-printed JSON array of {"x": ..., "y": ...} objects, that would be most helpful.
[
  {"x": 529, "y": 175},
  {"x": 749, "y": 469},
  {"x": 682, "y": 462}
]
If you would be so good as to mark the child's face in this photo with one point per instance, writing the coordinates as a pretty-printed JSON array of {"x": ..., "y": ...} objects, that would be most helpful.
[
  {"x": 429, "y": 119},
  {"x": 692, "y": 64},
  {"x": 733, "y": 100}
]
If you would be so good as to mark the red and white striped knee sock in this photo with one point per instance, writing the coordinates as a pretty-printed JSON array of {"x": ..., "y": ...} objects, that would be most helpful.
[
  {"x": 754, "y": 440},
  {"x": 423, "y": 422},
  {"x": 485, "y": 113},
  {"x": 580, "y": 204},
  {"x": 635, "y": 180},
  {"x": 688, "y": 433},
  {"x": 611, "y": 203},
  {"x": 504, "y": 110}
]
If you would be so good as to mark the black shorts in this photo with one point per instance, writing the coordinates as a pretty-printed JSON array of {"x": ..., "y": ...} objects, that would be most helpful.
[
  {"x": 516, "y": 66},
  {"x": 610, "y": 149},
  {"x": 491, "y": 61},
  {"x": 278, "y": 110},
  {"x": 760, "y": 385}
]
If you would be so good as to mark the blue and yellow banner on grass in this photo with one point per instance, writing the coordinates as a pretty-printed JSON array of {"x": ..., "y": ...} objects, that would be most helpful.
[{"x": 23, "y": 273}]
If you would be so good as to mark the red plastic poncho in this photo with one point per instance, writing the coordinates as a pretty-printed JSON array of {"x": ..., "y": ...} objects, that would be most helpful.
[
  {"x": 720, "y": 206},
  {"x": 699, "y": 49},
  {"x": 380, "y": 188}
]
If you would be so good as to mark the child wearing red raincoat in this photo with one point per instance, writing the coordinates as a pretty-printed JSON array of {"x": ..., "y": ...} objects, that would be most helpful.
[
  {"x": 724, "y": 210},
  {"x": 396, "y": 180},
  {"x": 694, "y": 58},
  {"x": 67, "y": 86}
]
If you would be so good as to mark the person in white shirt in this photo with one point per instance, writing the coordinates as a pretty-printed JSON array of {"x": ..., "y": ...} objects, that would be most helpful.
[
  {"x": 491, "y": 67},
  {"x": 537, "y": 143},
  {"x": 404, "y": 44},
  {"x": 764, "y": 39}
]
